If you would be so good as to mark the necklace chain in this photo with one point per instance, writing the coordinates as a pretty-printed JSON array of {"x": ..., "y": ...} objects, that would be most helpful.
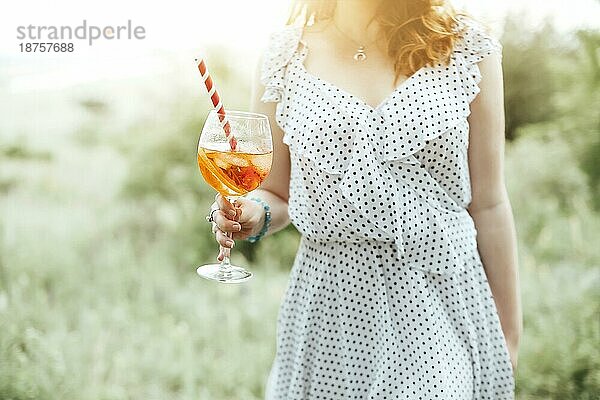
[{"x": 360, "y": 54}]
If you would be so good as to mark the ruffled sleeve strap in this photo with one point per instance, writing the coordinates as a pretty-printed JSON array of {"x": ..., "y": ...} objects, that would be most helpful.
[
  {"x": 474, "y": 44},
  {"x": 280, "y": 49}
]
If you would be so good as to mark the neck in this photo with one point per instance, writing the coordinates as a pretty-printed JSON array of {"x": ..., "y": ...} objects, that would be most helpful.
[{"x": 356, "y": 18}]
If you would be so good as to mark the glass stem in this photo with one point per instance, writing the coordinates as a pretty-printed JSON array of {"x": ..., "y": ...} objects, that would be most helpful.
[{"x": 225, "y": 266}]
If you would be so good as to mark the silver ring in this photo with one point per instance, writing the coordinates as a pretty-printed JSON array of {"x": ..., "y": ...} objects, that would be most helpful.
[{"x": 209, "y": 217}]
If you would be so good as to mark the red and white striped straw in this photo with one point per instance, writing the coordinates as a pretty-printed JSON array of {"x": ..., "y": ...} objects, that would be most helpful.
[{"x": 217, "y": 103}]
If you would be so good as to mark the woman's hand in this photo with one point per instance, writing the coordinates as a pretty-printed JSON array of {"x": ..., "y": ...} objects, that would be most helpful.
[{"x": 243, "y": 220}]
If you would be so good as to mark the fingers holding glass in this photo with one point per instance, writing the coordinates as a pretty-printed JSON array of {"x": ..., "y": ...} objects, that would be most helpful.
[
  {"x": 223, "y": 239},
  {"x": 224, "y": 223},
  {"x": 225, "y": 206}
]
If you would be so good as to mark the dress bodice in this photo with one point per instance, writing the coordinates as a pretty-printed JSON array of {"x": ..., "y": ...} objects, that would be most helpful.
[{"x": 397, "y": 172}]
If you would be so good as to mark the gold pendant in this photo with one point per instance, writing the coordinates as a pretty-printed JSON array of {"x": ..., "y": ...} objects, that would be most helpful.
[{"x": 360, "y": 54}]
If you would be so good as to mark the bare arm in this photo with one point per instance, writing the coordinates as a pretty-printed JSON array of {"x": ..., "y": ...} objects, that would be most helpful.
[
  {"x": 275, "y": 189},
  {"x": 250, "y": 216},
  {"x": 490, "y": 207}
]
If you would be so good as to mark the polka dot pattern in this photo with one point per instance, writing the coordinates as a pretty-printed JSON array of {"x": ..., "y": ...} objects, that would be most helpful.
[{"x": 388, "y": 297}]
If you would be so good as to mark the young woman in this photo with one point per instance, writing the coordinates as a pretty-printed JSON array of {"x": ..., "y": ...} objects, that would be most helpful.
[{"x": 388, "y": 130}]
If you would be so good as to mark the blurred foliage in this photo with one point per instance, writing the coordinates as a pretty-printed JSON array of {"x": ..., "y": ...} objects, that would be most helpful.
[
  {"x": 553, "y": 80},
  {"x": 553, "y": 171},
  {"x": 530, "y": 71},
  {"x": 100, "y": 239},
  {"x": 20, "y": 151},
  {"x": 586, "y": 112}
]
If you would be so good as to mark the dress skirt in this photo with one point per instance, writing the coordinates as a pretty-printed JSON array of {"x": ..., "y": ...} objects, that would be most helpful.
[{"x": 357, "y": 324}]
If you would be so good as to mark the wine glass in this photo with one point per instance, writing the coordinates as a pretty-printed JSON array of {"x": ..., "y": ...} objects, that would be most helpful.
[{"x": 233, "y": 173}]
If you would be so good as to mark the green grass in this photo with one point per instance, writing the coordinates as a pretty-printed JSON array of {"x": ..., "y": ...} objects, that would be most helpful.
[{"x": 91, "y": 308}]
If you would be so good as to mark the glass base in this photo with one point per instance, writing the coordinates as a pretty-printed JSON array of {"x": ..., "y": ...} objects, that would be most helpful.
[{"x": 232, "y": 274}]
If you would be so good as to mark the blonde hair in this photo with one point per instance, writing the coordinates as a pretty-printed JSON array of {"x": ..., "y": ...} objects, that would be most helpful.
[{"x": 416, "y": 32}]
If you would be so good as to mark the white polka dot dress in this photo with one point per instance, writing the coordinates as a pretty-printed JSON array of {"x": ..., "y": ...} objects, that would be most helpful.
[{"x": 387, "y": 298}]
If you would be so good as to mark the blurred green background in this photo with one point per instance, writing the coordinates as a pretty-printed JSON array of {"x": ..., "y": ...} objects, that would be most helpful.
[{"x": 102, "y": 227}]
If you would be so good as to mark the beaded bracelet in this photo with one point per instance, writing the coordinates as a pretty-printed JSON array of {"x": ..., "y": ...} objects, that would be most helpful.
[{"x": 267, "y": 223}]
